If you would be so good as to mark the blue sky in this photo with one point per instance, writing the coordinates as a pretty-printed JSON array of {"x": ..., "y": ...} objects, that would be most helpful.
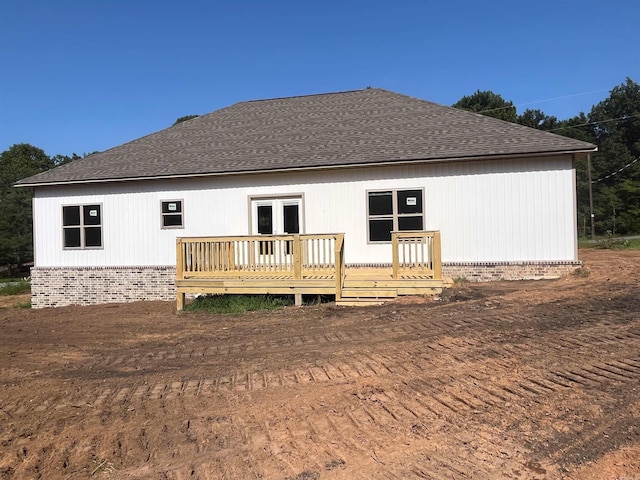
[{"x": 86, "y": 75}]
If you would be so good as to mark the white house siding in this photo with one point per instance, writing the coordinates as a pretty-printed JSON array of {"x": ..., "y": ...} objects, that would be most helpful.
[{"x": 519, "y": 210}]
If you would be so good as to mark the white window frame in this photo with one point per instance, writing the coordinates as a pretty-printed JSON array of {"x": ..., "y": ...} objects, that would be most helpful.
[
  {"x": 394, "y": 215},
  {"x": 81, "y": 226},
  {"x": 163, "y": 214}
]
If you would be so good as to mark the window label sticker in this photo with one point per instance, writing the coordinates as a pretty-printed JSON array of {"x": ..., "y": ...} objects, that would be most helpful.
[
  {"x": 93, "y": 213},
  {"x": 172, "y": 207},
  {"x": 412, "y": 201}
]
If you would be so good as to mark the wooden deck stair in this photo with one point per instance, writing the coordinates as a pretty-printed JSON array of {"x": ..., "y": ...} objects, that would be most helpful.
[
  {"x": 364, "y": 287},
  {"x": 363, "y": 296}
]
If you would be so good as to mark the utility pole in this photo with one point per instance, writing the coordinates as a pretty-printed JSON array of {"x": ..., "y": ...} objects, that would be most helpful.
[{"x": 593, "y": 222}]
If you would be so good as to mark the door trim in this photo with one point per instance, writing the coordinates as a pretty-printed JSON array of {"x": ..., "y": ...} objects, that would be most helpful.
[{"x": 285, "y": 197}]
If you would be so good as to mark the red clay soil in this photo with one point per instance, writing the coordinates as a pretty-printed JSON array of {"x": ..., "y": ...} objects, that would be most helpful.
[{"x": 513, "y": 380}]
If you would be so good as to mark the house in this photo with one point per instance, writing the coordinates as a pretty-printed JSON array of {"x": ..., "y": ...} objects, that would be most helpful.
[{"x": 364, "y": 163}]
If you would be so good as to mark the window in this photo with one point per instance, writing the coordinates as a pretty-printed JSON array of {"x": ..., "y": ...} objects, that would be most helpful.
[
  {"x": 172, "y": 214},
  {"x": 82, "y": 226},
  {"x": 394, "y": 210}
]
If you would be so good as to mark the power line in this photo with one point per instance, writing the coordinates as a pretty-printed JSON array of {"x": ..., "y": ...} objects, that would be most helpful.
[
  {"x": 563, "y": 97},
  {"x": 625, "y": 117},
  {"x": 617, "y": 171},
  {"x": 544, "y": 100}
]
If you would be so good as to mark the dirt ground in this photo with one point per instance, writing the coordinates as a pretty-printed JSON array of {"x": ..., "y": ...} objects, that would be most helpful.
[{"x": 513, "y": 380}]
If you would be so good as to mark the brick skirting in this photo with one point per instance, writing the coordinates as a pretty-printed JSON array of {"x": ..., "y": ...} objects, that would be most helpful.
[
  {"x": 489, "y": 272},
  {"x": 61, "y": 286}
]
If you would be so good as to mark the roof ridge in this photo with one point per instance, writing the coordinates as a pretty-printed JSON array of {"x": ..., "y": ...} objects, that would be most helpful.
[{"x": 308, "y": 95}]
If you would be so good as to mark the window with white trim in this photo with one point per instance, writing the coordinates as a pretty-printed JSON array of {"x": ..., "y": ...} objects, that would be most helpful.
[
  {"x": 393, "y": 210},
  {"x": 82, "y": 226},
  {"x": 172, "y": 215}
]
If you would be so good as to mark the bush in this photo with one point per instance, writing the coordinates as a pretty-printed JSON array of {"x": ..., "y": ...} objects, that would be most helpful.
[
  {"x": 581, "y": 272},
  {"x": 15, "y": 288}
]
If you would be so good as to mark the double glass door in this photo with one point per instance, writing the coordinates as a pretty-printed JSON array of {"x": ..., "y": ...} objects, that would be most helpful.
[{"x": 276, "y": 216}]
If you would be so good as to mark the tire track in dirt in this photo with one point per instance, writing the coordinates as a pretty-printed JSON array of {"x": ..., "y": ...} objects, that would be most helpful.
[
  {"x": 378, "y": 412},
  {"x": 361, "y": 412},
  {"x": 412, "y": 359},
  {"x": 399, "y": 327},
  {"x": 427, "y": 412},
  {"x": 438, "y": 399}
]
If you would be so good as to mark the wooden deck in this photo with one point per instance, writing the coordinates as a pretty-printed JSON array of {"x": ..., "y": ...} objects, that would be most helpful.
[{"x": 306, "y": 264}]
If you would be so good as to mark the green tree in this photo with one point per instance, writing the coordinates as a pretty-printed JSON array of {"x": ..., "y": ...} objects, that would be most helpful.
[
  {"x": 19, "y": 161},
  {"x": 64, "y": 159},
  {"x": 615, "y": 127},
  {"x": 184, "y": 119},
  {"x": 537, "y": 119},
  {"x": 489, "y": 104}
]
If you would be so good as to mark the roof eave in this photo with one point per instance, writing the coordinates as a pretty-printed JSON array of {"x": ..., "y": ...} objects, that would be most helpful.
[{"x": 309, "y": 168}]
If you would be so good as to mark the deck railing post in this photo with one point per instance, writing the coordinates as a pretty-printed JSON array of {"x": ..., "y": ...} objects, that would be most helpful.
[
  {"x": 179, "y": 259},
  {"x": 437, "y": 258},
  {"x": 297, "y": 257},
  {"x": 338, "y": 260},
  {"x": 297, "y": 265},
  {"x": 395, "y": 255},
  {"x": 179, "y": 274}
]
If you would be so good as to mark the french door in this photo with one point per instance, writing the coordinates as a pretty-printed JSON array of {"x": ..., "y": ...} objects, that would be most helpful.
[{"x": 276, "y": 216}]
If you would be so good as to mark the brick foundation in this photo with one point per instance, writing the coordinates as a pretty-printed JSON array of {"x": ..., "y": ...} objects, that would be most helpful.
[
  {"x": 61, "y": 286},
  {"x": 488, "y": 272}
]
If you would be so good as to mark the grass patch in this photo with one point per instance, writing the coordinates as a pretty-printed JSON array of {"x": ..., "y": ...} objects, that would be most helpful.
[
  {"x": 10, "y": 279},
  {"x": 633, "y": 244},
  {"x": 15, "y": 288},
  {"x": 610, "y": 243},
  {"x": 22, "y": 305},
  {"x": 238, "y": 303}
]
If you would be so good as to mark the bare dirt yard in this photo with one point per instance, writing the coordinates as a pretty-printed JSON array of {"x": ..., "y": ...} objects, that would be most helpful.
[{"x": 513, "y": 380}]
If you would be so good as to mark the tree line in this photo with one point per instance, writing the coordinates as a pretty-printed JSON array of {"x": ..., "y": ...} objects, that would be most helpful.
[
  {"x": 16, "y": 230},
  {"x": 613, "y": 125}
]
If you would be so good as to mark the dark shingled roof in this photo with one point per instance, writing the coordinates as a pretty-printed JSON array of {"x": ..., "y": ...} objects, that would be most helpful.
[{"x": 362, "y": 127}]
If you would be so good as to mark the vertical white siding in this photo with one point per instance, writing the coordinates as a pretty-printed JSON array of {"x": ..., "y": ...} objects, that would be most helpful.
[{"x": 503, "y": 210}]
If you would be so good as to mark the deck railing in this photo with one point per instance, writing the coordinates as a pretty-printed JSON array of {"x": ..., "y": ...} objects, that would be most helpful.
[
  {"x": 416, "y": 252},
  {"x": 292, "y": 256}
]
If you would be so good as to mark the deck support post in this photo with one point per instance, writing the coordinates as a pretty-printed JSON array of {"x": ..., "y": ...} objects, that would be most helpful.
[
  {"x": 298, "y": 299},
  {"x": 180, "y": 302}
]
